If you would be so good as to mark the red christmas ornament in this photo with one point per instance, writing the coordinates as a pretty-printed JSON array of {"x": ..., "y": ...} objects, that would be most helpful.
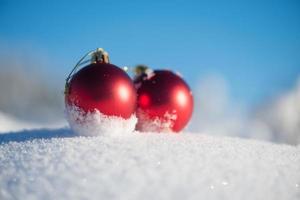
[
  {"x": 165, "y": 101},
  {"x": 101, "y": 86}
]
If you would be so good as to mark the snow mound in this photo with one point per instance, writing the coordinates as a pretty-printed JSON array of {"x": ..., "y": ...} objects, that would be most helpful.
[
  {"x": 57, "y": 164},
  {"x": 95, "y": 123}
]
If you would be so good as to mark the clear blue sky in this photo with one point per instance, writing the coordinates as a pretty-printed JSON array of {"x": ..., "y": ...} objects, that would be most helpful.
[{"x": 255, "y": 45}]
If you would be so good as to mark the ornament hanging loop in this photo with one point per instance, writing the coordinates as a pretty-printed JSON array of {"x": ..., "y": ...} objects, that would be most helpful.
[{"x": 97, "y": 55}]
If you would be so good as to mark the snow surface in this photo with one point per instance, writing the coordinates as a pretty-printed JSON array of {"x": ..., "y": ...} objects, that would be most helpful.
[{"x": 57, "y": 164}]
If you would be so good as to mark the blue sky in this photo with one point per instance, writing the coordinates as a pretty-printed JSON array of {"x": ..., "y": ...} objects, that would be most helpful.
[{"x": 254, "y": 45}]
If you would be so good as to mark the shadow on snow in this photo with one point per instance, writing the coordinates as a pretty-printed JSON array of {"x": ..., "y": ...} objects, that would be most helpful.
[{"x": 35, "y": 134}]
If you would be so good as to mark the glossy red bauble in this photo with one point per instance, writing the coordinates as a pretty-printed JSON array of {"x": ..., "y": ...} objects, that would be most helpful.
[
  {"x": 104, "y": 87},
  {"x": 164, "y": 101}
]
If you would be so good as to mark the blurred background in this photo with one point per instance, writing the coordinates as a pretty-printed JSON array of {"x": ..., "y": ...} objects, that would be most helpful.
[{"x": 241, "y": 58}]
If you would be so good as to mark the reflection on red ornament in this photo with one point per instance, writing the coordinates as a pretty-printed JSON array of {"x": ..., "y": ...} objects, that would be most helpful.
[{"x": 144, "y": 100}]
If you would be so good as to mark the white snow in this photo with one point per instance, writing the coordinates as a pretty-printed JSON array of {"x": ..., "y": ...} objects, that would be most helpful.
[
  {"x": 56, "y": 164},
  {"x": 96, "y": 123},
  {"x": 146, "y": 123}
]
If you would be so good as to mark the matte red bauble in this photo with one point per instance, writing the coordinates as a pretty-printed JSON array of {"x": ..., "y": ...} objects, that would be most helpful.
[
  {"x": 101, "y": 86},
  {"x": 165, "y": 101}
]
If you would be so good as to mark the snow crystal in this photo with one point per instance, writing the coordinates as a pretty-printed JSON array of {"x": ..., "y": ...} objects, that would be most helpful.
[
  {"x": 145, "y": 166},
  {"x": 96, "y": 123}
]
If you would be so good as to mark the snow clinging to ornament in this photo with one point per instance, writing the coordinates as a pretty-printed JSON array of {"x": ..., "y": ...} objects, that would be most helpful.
[{"x": 100, "y": 96}]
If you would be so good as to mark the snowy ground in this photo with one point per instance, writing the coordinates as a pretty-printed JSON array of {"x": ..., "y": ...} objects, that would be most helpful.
[{"x": 56, "y": 164}]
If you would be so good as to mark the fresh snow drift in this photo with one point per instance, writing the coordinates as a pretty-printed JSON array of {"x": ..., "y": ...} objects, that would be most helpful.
[{"x": 56, "y": 164}]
